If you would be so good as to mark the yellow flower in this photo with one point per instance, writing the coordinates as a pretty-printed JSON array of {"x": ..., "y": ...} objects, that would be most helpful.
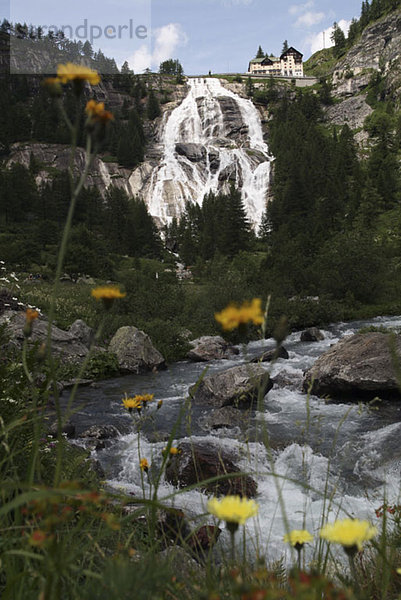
[
  {"x": 96, "y": 112},
  {"x": 233, "y": 509},
  {"x": 107, "y": 294},
  {"x": 298, "y": 537},
  {"x": 71, "y": 72},
  {"x": 130, "y": 403},
  {"x": 348, "y": 532},
  {"x": 144, "y": 465},
  {"x": 146, "y": 397},
  {"x": 233, "y": 316}
]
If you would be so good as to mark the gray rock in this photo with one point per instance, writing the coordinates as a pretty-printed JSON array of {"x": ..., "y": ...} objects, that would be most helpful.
[
  {"x": 211, "y": 347},
  {"x": 68, "y": 428},
  {"x": 360, "y": 364},
  {"x": 197, "y": 462},
  {"x": 233, "y": 122},
  {"x": 135, "y": 351},
  {"x": 193, "y": 152},
  {"x": 62, "y": 342},
  {"x": 270, "y": 355},
  {"x": 228, "y": 416},
  {"x": 238, "y": 386},
  {"x": 82, "y": 332},
  {"x": 313, "y": 334},
  {"x": 101, "y": 432},
  {"x": 98, "y": 436}
]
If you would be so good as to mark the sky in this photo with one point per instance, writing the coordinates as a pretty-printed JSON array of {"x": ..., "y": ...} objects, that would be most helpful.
[{"x": 217, "y": 35}]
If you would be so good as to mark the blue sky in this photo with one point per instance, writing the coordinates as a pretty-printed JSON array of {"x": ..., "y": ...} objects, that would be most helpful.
[{"x": 220, "y": 35}]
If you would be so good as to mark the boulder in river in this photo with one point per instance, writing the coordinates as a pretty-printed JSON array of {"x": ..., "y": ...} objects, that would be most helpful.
[
  {"x": 135, "y": 351},
  {"x": 211, "y": 347},
  {"x": 197, "y": 462},
  {"x": 361, "y": 364},
  {"x": 270, "y": 355},
  {"x": 238, "y": 386},
  {"x": 312, "y": 334},
  {"x": 228, "y": 416}
]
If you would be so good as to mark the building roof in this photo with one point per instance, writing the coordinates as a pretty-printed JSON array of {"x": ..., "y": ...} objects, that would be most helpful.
[{"x": 291, "y": 50}]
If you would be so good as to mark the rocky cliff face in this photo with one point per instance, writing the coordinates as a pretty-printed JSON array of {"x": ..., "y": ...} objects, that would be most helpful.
[{"x": 379, "y": 49}]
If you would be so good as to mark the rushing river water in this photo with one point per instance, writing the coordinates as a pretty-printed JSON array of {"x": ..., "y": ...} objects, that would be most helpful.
[{"x": 350, "y": 451}]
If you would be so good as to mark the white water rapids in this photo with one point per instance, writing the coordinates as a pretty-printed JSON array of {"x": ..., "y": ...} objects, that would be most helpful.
[
  {"x": 344, "y": 451},
  {"x": 213, "y": 138}
]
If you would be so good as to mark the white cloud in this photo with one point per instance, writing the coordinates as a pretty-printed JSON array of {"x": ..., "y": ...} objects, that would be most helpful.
[
  {"x": 316, "y": 41},
  {"x": 309, "y": 19},
  {"x": 165, "y": 40},
  {"x": 296, "y": 9}
]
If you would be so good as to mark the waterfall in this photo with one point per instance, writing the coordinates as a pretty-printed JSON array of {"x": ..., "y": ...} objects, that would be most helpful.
[{"x": 212, "y": 139}]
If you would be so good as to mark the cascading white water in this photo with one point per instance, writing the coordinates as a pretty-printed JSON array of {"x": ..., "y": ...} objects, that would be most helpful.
[{"x": 212, "y": 138}]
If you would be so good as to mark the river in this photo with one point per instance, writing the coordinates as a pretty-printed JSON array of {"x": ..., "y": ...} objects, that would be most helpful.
[{"x": 348, "y": 451}]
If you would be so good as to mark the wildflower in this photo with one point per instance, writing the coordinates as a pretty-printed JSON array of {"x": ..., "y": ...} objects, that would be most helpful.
[
  {"x": 131, "y": 403},
  {"x": 144, "y": 465},
  {"x": 234, "y": 316},
  {"x": 298, "y": 537},
  {"x": 107, "y": 294},
  {"x": 234, "y": 510},
  {"x": 173, "y": 451},
  {"x": 145, "y": 397},
  {"x": 30, "y": 316},
  {"x": 350, "y": 533},
  {"x": 38, "y": 538},
  {"x": 78, "y": 74},
  {"x": 96, "y": 112},
  {"x": 398, "y": 571}
]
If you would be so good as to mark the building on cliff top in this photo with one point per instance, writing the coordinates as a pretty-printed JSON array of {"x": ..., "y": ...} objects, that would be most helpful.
[{"x": 288, "y": 65}]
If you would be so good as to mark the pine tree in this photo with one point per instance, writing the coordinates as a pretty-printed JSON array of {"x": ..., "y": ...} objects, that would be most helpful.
[
  {"x": 153, "y": 106},
  {"x": 285, "y": 47},
  {"x": 260, "y": 53}
]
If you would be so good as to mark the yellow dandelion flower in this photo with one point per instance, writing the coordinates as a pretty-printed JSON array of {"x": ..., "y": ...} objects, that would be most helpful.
[
  {"x": 72, "y": 72},
  {"x": 97, "y": 113},
  {"x": 348, "y": 532},
  {"x": 107, "y": 294},
  {"x": 298, "y": 537},
  {"x": 233, "y": 316},
  {"x": 145, "y": 397},
  {"x": 144, "y": 465},
  {"x": 233, "y": 509},
  {"x": 130, "y": 403}
]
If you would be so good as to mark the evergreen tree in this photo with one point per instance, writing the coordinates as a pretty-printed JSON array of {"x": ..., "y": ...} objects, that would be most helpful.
[
  {"x": 285, "y": 47},
  {"x": 338, "y": 38},
  {"x": 260, "y": 53},
  {"x": 153, "y": 106}
]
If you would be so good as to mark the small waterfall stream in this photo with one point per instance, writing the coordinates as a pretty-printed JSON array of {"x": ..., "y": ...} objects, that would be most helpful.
[
  {"x": 213, "y": 138},
  {"x": 346, "y": 450}
]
